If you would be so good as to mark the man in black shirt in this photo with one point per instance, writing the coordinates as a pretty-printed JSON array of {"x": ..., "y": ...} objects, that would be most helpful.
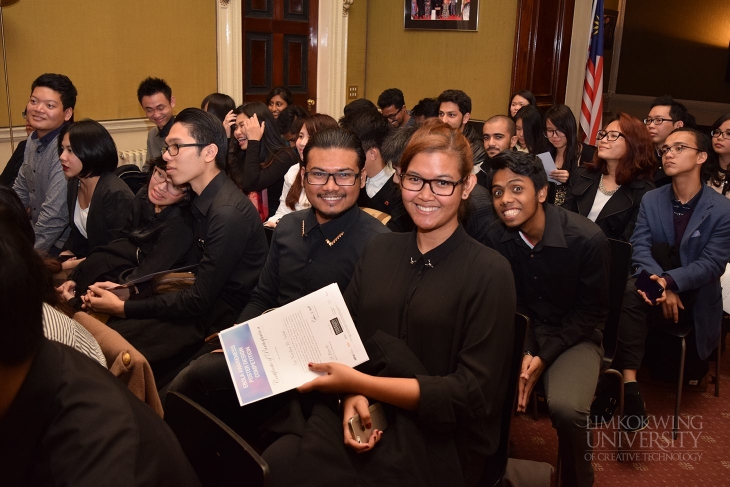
[
  {"x": 560, "y": 262},
  {"x": 310, "y": 249},
  {"x": 231, "y": 248}
]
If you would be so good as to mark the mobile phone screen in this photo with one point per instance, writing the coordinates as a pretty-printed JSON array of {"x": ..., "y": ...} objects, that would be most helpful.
[{"x": 652, "y": 289}]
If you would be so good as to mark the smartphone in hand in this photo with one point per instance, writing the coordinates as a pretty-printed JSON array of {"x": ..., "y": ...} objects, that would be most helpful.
[
  {"x": 377, "y": 422},
  {"x": 651, "y": 288}
]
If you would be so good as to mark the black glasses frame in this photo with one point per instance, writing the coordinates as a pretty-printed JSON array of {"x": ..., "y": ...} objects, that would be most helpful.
[
  {"x": 450, "y": 184},
  {"x": 174, "y": 149},
  {"x": 335, "y": 176}
]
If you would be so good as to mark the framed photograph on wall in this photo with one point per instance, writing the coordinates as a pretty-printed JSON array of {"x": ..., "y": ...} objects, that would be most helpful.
[{"x": 441, "y": 14}]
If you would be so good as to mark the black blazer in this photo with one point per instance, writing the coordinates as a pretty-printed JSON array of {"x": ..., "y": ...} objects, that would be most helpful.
[
  {"x": 109, "y": 211},
  {"x": 618, "y": 217}
]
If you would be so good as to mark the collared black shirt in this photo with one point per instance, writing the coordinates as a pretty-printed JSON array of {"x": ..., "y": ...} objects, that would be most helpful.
[
  {"x": 231, "y": 246},
  {"x": 562, "y": 283},
  {"x": 166, "y": 129},
  {"x": 300, "y": 261}
]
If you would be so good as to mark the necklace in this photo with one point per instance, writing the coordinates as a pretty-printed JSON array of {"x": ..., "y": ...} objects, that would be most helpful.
[
  {"x": 603, "y": 189},
  {"x": 327, "y": 241}
]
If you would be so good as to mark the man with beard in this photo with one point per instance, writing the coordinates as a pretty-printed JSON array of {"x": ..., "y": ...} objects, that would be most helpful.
[{"x": 500, "y": 134}]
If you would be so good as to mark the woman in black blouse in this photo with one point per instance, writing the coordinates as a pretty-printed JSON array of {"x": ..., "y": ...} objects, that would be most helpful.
[
  {"x": 608, "y": 191},
  {"x": 99, "y": 202},
  {"x": 158, "y": 236},
  {"x": 262, "y": 157},
  {"x": 434, "y": 309}
]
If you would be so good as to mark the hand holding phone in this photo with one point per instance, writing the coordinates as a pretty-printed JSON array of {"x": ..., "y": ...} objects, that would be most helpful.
[
  {"x": 377, "y": 422},
  {"x": 652, "y": 289}
]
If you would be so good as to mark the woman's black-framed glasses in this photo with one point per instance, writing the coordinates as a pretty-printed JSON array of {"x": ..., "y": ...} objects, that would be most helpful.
[
  {"x": 611, "y": 136},
  {"x": 174, "y": 149},
  {"x": 320, "y": 178},
  {"x": 719, "y": 134},
  {"x": 438, "y": 187},
  {"x": 159, "y": 177}
]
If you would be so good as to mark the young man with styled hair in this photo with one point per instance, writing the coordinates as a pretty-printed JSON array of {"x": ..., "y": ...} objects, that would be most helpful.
[
  {"x": 155, "y": 97},
  {"x": 665, "y": 115},
  {"x": 41, "y": 184},
  {"x": 560, "y": 261},
  {"x": 393, "y": 107},
  {"x": 455, "y": 111}
]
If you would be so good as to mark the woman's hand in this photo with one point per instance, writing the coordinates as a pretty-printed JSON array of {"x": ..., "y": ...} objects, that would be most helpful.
[
  {"x": 352, "y": 405},
  {"x": 67, "y": 290},
  {"x": 337, "y": 378},
  {"x": 228, "y": 121},
  {"x": 71, "y": 263},
  {"x": 100, "y": 300},
  {"x": 254, "y": 129},
  {"x": 560, "y": 175}
]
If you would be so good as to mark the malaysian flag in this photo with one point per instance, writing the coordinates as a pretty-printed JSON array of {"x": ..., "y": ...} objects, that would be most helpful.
[{"x": 591, "y": 107}]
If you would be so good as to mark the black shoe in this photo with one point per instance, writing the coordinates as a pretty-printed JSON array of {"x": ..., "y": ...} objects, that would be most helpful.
[
  {"x": 604, "y": 405},
  {"x": 634, "y": 418}
]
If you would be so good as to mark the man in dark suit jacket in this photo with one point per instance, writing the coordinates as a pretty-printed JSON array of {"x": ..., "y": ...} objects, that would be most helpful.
[{"x": 682, "y": 239}]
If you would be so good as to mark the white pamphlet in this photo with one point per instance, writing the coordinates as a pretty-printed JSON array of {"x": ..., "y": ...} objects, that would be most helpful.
[
  {"x": 725, "y": 283},
  {"x": 549, "y": 164},
  {"x": 270, "y": 353}
]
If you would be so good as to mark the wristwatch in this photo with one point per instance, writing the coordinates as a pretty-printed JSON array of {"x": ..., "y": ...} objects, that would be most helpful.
[{"x": 528, "y": 353}]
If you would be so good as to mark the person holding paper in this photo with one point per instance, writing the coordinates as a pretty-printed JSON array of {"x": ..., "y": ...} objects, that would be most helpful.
[
  {"x": 434, "y": 309},
  {"x": 608, "y": 191}
]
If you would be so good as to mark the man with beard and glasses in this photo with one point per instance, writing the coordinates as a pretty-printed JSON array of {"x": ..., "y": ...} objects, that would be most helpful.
[{"x": 310, "y": 249}]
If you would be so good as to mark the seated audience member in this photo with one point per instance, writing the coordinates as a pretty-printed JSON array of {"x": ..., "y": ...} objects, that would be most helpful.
[
  {"x": 7, "y": 178},
  {"x": 40, "y": 183},
  {"x": 455, "y": 111},
  {"x": 56, "y": 325},
  {"x": 293, "y": 197},
  {"x": 530, "y": 131},
  {"x": 499, "y": 134},
  {"x": 560, "y": 261},
  {"x": 287, "y": 121},
  {"x": 425, "y": 109},
  {"x": 158, "y": 236},
  {"x": 299, "y": 262},
  {"x": 608, "y": 190},
  {"x": 262, "y": 158},
  {"x": 231, "y": 248},
  {"x": 716, "y": 170},
  {"x": 393, "y": 106},
  {"x": 56, "y": 404},
  {"x": 222, "y": 107},
  {"x": 278, "y": 99},
  {"x": 520, "y": 100},
  {"x": 682, "y": 239},
  {"x": 476, "y": 215},
  {"x": 99, "y": 203},
  {"x": 665, "y": 115},
  {"x": 372, "y": 128},
  {"x": 567, "y": 152},
  {"x": 359, "y": 104},
  {"x": 438, "y": 361},
  {"x": 155, "y": 96}
]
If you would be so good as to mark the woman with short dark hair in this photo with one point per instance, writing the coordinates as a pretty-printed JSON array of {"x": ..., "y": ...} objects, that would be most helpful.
[{"x": 98, "y": 201}]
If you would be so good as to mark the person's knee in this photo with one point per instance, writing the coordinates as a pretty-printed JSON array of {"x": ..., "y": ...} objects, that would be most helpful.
[
  {"x": 566, "y": 412},
  {"x": 196, "y": 380}
]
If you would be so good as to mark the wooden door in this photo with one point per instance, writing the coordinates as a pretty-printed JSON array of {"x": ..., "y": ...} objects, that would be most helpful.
[{"x": 280, "y": 49}]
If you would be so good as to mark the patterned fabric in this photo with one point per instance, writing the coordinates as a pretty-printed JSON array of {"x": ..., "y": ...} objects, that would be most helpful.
[{"x": 60, "y": 328}]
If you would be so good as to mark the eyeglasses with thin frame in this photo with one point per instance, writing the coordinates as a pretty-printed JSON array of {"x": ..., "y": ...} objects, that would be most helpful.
[
  {"x": 320, "y": 178},
  {"x": 554, "y": 133},
  {"x": 392, "y": 117},
  {"x": 611, "y": 136},
  {"x": 657, "y": 120},
  {"x": 174, "y": 149},
  {"x": 676, "y": 149},
  {"x": 439, "y": 187},
  {"x": 719, "y": 134},
  {"x": 158, "y": 177}
]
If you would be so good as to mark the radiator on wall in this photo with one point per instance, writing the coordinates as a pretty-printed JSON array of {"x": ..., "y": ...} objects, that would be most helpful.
[{"x": 136, "y": 157}]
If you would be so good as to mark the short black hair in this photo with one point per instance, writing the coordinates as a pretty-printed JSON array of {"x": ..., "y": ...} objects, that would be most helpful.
[
  {"x": 283, "y": 92},
  {"x": 357, "y": 105},
  {"x": 511, "y": 129},
  {"x": 458, "y": 97},
  {"x": 205, "y": 128},
  {"x": 13, "y": 211},
  {"x": 219, "y": 104},
  {"x": 395, "y": 143},
  {"x": 391, "y": 96},
  {"x": 60, "y": 84},
  {"x": 520, "y": 163},
  {"x": 427, "y": 108},
  {"x": 677, "y": 111},
  {"x": 702, "y": 140},
  {"x": 288, "y": 117},
  {"x": 336, "y": 138},
  {"x": 149, "y": 86},
  {"x": 93, "y": 145},
  {"x": 23, "y": 279},
  {"x": 370, "y": 127}
]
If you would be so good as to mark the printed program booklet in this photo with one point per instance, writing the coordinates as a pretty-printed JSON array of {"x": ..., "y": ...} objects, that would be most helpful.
[{"x": 270, "y": 353}]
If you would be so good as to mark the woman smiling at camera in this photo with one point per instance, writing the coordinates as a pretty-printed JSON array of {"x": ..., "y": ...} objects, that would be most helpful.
[
  {"x": 434, "y": 309},
  {"x": 98, "y": 201},
  {"x": 608, "y": 191}
]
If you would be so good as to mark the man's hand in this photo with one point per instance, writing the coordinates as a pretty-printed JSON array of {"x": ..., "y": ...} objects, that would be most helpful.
[
  {"x": 352, "y": 405},
  {"x": 532, "y": 368},
  {"x": 671, "y": 304},
  {"x": 662, "y": 298},
  {"x": 100, "y": 300}
]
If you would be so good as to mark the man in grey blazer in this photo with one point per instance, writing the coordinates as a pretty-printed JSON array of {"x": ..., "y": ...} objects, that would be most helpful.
[{"x": 682, "y": 239}]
